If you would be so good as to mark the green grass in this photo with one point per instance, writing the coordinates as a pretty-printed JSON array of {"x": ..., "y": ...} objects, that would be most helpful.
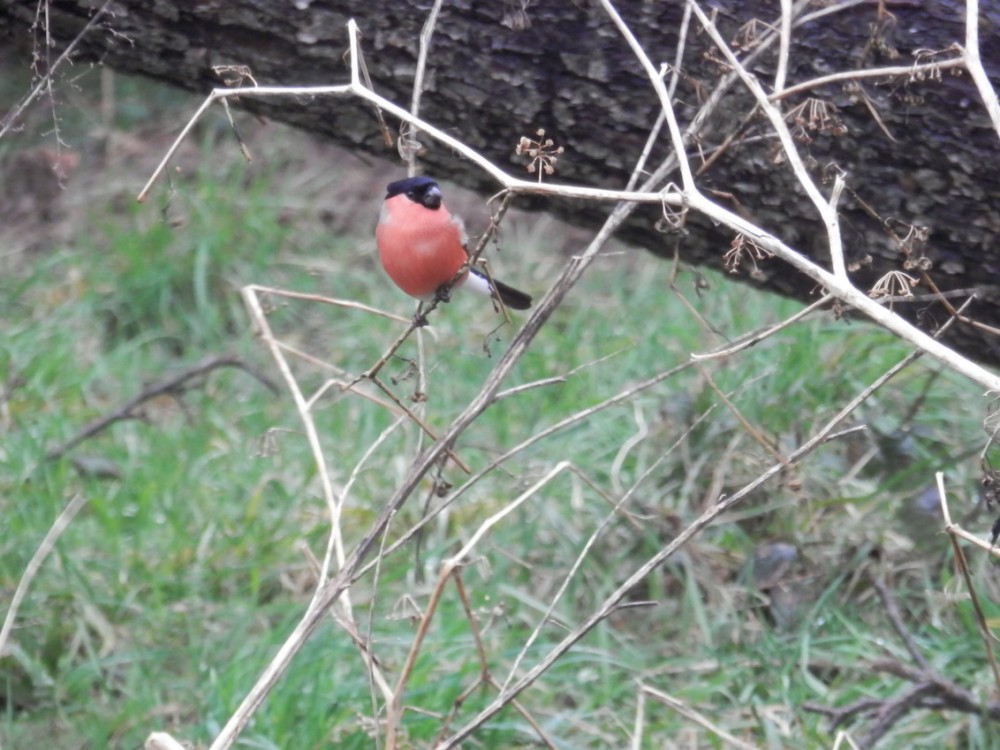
[{"x": 176, "y": 584}]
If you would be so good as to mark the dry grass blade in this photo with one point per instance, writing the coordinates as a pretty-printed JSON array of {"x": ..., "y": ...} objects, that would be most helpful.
[
  {"x": 698, "y": 718},
  {"x": 59, "y": 525}
]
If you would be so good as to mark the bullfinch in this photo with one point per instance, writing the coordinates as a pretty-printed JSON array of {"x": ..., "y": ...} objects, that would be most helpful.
[{"x": 422, "y": 246}]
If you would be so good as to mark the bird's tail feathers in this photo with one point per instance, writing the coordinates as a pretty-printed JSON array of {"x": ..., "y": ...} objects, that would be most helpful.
[{"x": 513, "y": 298}]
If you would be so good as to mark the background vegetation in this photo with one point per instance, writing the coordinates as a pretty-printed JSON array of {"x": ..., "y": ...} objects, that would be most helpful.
[{"x": 173, "y": 587}]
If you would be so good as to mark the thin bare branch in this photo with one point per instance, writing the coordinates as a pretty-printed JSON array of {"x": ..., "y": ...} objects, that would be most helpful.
[
  {"x": 894, "y": 71},
  {"x": 44, "y": 85},
  {"x": 754, "y": 338},
  {"x": 823, "y": 206},
  {"x": 784, "y": 46},
  {"x": 656, "y": 79},
  {"x": 426, "y": 34},
  {"x": 706, "y": 518},
  {"x": 974, "y": 63},
  {"x": 985, "y": 634}
]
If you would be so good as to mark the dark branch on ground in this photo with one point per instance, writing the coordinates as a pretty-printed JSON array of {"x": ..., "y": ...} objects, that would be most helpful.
[
  {"x": 175, "y": 385},
  {"x": 928, "y": 688}
]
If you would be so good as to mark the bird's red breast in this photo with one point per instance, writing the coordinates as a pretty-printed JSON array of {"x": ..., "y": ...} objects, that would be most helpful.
[{"x": 420, "y": 248}]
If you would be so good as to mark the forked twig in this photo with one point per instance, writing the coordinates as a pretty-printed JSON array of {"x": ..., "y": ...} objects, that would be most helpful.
[
  {"x": 826, "y": 207},
  {"x": 448, "y": 568},
  {"x": 418, "y": 422}
]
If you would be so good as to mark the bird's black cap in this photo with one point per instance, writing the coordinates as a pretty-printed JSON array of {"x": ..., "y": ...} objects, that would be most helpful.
[{"x": 422, "y": 190}]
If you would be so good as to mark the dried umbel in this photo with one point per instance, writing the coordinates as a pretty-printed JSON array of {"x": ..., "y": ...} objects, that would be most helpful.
[
  {"x": 744, "y": 248},
  {"x": 894, "y": 284},
  {"x": 542, "y": 152}
]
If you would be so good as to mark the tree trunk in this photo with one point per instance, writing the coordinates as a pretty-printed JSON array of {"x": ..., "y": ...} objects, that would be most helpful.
[{"x": 917, "y": 153}]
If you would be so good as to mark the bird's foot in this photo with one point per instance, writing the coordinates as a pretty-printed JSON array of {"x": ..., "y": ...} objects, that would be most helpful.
[{"x": 443, "y": 293}]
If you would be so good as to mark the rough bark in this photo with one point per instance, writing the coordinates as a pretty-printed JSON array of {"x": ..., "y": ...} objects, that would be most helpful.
[{"x": 498, "y": 72}]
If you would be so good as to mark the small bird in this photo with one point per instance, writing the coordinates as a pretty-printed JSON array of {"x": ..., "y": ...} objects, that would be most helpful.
[{"x": 422, "y": 246}]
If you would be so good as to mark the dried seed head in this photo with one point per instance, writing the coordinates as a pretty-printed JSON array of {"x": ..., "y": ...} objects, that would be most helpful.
[{"x": 542, "y": 153}]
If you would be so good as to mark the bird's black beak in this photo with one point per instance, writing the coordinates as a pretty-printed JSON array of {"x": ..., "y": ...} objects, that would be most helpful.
[{"x": 431, "y": 197}]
